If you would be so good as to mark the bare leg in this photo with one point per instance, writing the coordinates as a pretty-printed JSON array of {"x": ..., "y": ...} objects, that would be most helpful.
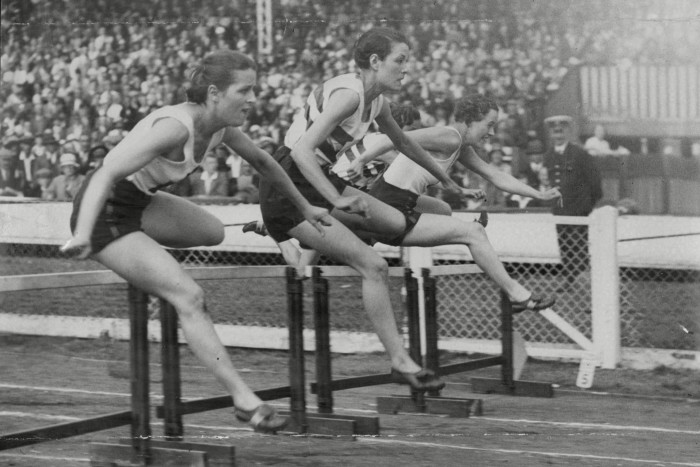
[
  {"x": 342, "y": 245},
  {"x": 435, "y": 230},
  {"x": 432, "y": 230},
  {"x": 143, "y": 262},
  {"x": 433, "y": 205}
]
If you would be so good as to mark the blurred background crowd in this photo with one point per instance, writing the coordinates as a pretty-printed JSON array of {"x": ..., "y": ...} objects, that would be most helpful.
[{"x": 78, "y": 74}]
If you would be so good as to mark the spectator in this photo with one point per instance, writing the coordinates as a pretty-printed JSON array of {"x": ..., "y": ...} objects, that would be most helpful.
[
  {"x": 572, "y": 169},
  {"x": 248, "y": 180},
  {"x": 598, "y": 146},
  {"x": 39, "y": 187},
  {"x": 25, "y": 158},
  {"x": 65, "y": 186},
  {"x": 95, "y": 158},
  {"x": 210, "y": 181},
  {"x": 534, "y": 163},
  {"x": 40, "y": 156},
  {"x": 494, "y": 196},
  {"x": 233, "y": 163},
  {"x": 11, "y": 177}
]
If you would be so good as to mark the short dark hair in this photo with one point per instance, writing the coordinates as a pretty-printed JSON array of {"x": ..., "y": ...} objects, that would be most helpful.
[
  {"x": 216, "y": 68},
  {"x": 376, "y": 41},
  {"x": 473, "y": 108},
  {"x": 404, "y": 114}
]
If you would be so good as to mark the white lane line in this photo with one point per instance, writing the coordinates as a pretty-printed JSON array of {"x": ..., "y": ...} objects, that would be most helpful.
[
  {"x": 599, "y": 426},
  {"x": 126, "y": 362},
  {"x": 38, "y": 416},
  {"x": 44, "y": 458},
  {"x": 518, "y": 451},
  {"x": 604, "y": 426},
  {"x": 78, "y": 391},
  {"x": 66, "y": 390}
]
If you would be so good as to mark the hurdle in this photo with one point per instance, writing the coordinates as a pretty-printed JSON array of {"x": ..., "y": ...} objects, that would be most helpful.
[
  {"x": 141, "y": 448},
  {"x": 434, "y": 403}
]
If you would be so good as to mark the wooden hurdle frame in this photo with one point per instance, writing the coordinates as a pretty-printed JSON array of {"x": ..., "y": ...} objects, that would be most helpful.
[
  {"x": 141, "y": 448},
  {"x": 433, "y": 403}
]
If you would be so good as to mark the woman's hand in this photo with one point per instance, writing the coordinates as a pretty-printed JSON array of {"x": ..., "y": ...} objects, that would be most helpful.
[
  {"x": 552, "y": 193},
  {"x": 475, "y": 193},
  {"x": 318, "y": 217},
  {"x": 78, "y": 246},
  {"x": 354, "y": 171},
  {"x": 353, "y": 205}
]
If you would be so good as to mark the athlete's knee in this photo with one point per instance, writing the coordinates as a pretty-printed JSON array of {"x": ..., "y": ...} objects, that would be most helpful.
[
  {"x": 374, "y": 267},
  {"x": 214, "y": 234},
  {"x": 189, "y": 301},
  {"x": 475, "y": 232}
]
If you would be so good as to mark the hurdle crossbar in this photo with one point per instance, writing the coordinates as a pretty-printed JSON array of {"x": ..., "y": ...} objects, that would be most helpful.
[
  {"x": 64, "y": 430},
  {"x": 61, "y": 280}
]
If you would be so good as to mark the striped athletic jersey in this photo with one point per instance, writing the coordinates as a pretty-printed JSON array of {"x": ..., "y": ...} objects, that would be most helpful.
[
  {"x": 406, "y": 174},
  {"x": 350, "y": 130},
  {"x": 371, "y": 171},
  {"x": 161, "y": 172}
]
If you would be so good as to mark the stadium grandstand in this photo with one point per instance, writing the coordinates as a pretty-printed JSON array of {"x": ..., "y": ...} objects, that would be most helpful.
[{"x": 77, "y": 74}]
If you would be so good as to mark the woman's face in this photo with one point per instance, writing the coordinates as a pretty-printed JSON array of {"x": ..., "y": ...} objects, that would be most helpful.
[
  {"x": 479, "y": 132},
  {"x": 392, "y": 69},
  {"x": 238, "y": 98}
]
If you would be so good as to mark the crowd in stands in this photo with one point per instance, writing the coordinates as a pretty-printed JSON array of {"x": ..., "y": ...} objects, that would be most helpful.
[{"x": 78, "y": 74}]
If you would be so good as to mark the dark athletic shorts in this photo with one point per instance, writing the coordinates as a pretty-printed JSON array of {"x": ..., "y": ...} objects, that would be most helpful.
[
  {"x": 403, "y": 200},
  {"x": 120, "y": 215},
  {"x": 279, "y": 213}
]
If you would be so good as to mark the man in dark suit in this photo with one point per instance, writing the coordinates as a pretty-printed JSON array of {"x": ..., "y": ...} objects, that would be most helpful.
[{"x": 573, "y": 170}]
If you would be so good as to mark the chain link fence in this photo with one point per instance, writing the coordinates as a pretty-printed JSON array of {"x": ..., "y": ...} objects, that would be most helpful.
[{"x": 658, "y": 307}]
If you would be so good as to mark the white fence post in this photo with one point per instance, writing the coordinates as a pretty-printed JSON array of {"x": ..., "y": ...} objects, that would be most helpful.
[
  {"x": 605, "y": 285},
  {"x": 419, "y": 258}
]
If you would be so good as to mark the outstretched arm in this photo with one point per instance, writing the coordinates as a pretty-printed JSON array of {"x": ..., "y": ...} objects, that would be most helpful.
[
  {"x": 502, "y": 180},
  {"x": 267, "y": 167},
  {"x": 406, "y": 145}
]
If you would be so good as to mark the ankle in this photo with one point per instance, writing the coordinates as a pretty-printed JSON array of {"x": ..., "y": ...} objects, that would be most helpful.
[{"x": 405, "y": 365}]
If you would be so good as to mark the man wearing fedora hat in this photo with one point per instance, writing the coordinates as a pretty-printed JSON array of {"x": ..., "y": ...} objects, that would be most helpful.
[
  {"x": 65, "y": 186},
  {"x": 573, "y": 170}
]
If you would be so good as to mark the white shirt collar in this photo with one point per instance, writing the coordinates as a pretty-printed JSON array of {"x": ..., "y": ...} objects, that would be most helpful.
[{"x": 206, "y": 177}]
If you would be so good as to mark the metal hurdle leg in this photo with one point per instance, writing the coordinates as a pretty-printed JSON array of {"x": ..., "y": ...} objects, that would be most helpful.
[
  {"x": 325, "y": 422},
  {"x": 418, "y": 402},
  {"x": 295, "y": 314},
  {"x": 141, "y": 449},
  {"x": 139, "y": 452},
  {"x": 170, "y": 363},
  {"x": 324, "y": 395},
  {"x": 507, "y": 384},
  {"x": 138, "y": 355}
]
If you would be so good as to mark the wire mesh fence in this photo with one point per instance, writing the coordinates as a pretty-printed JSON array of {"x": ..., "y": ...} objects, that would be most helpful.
[{"x": 658, "y": 307}]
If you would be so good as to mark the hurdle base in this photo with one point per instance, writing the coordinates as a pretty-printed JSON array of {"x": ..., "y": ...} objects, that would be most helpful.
[
  {"x": 519, "y": 387},
  {"x": 450, "y": 406},
  {"x": 330, "y": 424},
  {"x": 170, "y": 453}
]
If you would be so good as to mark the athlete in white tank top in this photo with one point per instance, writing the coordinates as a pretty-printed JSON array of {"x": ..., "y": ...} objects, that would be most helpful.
[
  {"x": 161, "y": 171},
  {"x": 406, "y": 174}
]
